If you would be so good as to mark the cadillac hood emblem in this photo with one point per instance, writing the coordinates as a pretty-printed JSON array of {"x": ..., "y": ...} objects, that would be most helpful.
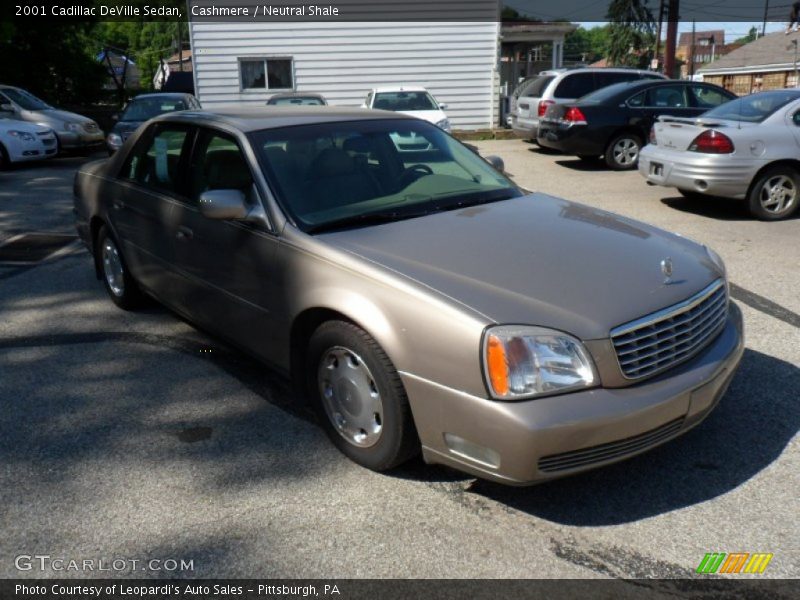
[{"x": 666, "y": 270}]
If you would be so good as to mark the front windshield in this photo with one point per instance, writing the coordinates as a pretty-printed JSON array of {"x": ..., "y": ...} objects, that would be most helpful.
[
  {"x": 404, "y": 101},
  {"x": 753, "y": 109},
  {"x": 297, "y": 100},
  {"x": 143, "y": 109},
  {"x": 25, "y": 100},
  {"x": 344, "y": 174}
]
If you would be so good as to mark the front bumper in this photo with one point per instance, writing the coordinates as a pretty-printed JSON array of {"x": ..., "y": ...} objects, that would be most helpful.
[
  {"x": 545, "y": 438},
  {"x": 715, "y": 175},
  {"x": 73, "y": 140}
]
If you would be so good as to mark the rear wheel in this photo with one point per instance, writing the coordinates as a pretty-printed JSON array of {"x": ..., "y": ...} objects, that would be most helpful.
[
  {"x": 359, "y": 398},
  {"x": 622, "y": 154},
  {"x": 776, "y": 194},
  {"x": 119, "y": 284}
]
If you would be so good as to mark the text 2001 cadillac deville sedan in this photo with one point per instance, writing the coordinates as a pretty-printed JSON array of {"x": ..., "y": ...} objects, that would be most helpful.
[{"x": 418, "y": 298}]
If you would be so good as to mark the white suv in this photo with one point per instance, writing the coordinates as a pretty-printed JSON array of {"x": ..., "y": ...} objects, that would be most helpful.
[
  {"x": 415, "y": 101},
  {"x": 560, "y": 87}
]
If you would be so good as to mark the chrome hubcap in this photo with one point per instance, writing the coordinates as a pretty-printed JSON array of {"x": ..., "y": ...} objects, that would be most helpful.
[
  {"x": 112, "y": 268},
  {"x": 350, "y": 397},
  {"x": 626, "y": 152},
  {"x": 778, "y": 194}
]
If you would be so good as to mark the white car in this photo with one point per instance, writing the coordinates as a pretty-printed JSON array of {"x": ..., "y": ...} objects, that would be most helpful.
[
  {"x": 21, "y": 141},
  {"x": 415, "y": 101}
]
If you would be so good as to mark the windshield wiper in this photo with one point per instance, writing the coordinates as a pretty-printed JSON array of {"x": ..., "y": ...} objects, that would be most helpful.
[{"x": 375, "y": 218}]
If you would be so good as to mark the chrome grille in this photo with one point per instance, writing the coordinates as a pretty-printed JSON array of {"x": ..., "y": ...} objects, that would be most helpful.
[
  {"x": 610, "y": 451},
  {"x": 662, "y": 340}
]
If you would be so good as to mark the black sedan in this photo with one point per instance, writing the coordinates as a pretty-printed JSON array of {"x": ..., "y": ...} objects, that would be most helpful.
[
  {"x": 142, "y": 108},
  {"x": 614, "y": 122}
]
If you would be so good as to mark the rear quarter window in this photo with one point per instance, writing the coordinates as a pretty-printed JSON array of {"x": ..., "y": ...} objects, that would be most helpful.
[{"x": 536, "y": 87}]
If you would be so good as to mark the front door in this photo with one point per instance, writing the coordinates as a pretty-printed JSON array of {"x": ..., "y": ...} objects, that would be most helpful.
[{"x": 228, "y": 265}]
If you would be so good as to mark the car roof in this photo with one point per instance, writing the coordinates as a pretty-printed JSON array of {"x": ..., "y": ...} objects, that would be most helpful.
[
  {"x": 271, "y": 117},
  {"x": 297, "y": 95},
  {"x": 399, "y": 88},
  {"x": 166, "y": 95}
]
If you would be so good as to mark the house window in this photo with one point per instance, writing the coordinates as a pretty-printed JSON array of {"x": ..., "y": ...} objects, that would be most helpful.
[{"x": 266, "y": 74}]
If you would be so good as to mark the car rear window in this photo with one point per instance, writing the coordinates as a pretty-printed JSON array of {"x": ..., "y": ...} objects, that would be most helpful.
[
  {"x": 536, "y": 87},
  {"x": 755, "y": 108}
]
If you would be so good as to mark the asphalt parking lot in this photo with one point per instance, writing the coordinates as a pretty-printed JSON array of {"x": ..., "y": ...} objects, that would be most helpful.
[{"x": 136, "y": 436}]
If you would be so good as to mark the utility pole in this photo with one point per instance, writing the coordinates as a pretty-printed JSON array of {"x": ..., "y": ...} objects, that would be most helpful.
[
  {"x": 691, "y": 66},
  {"x": 658, "y": 35},
  {"x": 672, "y": 37},
  {"x": 764, "y": 24}
]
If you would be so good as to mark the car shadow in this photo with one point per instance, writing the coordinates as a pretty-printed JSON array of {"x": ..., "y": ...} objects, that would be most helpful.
[
  {"x": 588, "y": 166},
  {"x": 723, "y": 209},
  {"x": 747, "y": 432}
]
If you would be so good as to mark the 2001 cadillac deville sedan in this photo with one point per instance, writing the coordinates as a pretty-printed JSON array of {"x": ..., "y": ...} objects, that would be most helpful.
[{"x": 413, "y": 293}]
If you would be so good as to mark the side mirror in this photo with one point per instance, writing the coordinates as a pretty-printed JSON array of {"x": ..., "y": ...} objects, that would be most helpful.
[
  {"x": 496, "y": 162},
  {"x": 223, "y": 205},
  {"x": 7, "y": 107},
  {"x": 442, "y": 106}
]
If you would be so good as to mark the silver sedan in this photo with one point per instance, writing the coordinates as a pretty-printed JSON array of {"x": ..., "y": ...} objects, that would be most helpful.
[{"x": 746, "y": 149}]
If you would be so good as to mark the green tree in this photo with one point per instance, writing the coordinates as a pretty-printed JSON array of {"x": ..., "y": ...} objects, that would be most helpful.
[
  {"x": 587, "y": 45},
  {"x": 751, "y": 36},
  {"x": 631, "y": 32}
]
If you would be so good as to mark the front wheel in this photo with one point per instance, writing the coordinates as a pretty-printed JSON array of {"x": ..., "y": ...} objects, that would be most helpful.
[
  {"x": 119, "y": 284},
  {"x": 622, "y": 153},
  {"x": 775, "y": 195},
  {"x": 359, "y": 398}
]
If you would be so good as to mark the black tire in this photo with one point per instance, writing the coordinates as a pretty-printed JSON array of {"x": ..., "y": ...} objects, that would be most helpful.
[
  {"x": 623, "y": 160},
  {"x": 784, "y": 177},
  {"x": 397, "y": 441},
  {"x": 121, "y": 287}
]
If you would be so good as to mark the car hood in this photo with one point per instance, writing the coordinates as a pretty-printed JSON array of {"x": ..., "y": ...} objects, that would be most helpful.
[
  {"x": 54, "y": 115},
  {"x": 539, "y": 260},
  {"x": 431, "y": 116}
]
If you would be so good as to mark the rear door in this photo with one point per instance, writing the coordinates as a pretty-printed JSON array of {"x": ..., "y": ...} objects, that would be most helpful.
[
  {"x": 228, "y": 265},
  {"x": 141, "y": 214},
  {"x": 648, "y": 105}
]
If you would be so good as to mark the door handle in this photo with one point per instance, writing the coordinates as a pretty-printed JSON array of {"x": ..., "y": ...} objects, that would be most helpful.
[{"x": 184, "y": 233}]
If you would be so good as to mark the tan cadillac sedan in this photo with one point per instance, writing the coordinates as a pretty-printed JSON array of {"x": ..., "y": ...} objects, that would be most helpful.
[{"x": 417, "y": 297}]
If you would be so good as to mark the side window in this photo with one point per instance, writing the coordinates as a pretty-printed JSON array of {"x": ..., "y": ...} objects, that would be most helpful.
[
  {"x": 706, "y": 97},
  {"x": 605, "y": 79},
  {"x": 156, "y": 162},
  {"x": 219, "y": 164},
  {"x": 638, "y": 100},
  {"x": 667, "y": 96},
  {"x": 575, "y": 85}
]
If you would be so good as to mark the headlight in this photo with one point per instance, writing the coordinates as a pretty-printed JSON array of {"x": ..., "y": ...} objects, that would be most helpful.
[
  {"x": 23, "y": 135},
  {"x": 523, "y": 362},
  {"x": 444, "y": 124},
  {"x": 114, "y": 140},
  {"x": 72, "y": 126}
]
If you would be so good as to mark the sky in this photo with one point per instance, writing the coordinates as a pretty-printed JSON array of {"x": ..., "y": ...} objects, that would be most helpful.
[{"x": 733, "y": 30}]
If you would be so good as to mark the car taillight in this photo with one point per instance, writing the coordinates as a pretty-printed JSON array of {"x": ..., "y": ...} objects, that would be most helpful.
[
  {"x": 712, "y": 142},
  {"x": 574, "y": 115},
  {"x": 652, "y": 138},
  {"x": 543, "y": 104}
]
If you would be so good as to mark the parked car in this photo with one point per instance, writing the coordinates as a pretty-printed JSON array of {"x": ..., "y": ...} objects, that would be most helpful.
[
  {"x": 413, "y": 298},
  {"x": 21, "y": 141},
  {"x": 558, "y": 87},
  {"x": 409, "y": 100},
  {"x": 297, "y": 98},
  {"x": 745, "y": 149},
  {"x": 615, "y": 122},
  {"x": 144, "y": 107},
  {"x": 73, "y": 131}
]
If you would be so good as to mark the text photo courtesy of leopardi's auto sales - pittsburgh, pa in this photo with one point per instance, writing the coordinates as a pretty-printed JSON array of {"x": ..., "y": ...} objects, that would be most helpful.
[{"x": 399, "y": 299}]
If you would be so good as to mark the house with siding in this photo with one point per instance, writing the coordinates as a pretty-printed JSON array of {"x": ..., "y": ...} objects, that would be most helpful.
[
  {"x": 243, "y": 63},
  {"x": 767, "y": 63}
]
